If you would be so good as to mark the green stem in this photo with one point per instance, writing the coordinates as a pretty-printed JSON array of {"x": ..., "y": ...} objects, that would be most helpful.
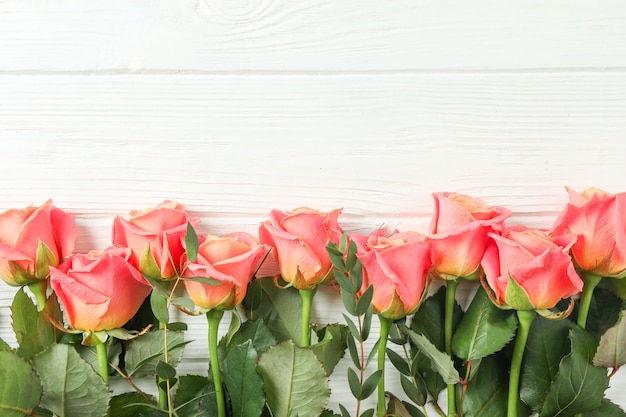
[
  {"x": 103, "y": 362},
  {"x": 39, "y": 288},
  {"x": 451, "y": 286},
  {"x": 163, "y": 396},
  {"x": 591, "y": 281},
  {"x": 526, "y": 318},
  {"x": 385, "y": 325},
  {"x": 214, "y": 317},
  {"x": 307, "y": 303}
]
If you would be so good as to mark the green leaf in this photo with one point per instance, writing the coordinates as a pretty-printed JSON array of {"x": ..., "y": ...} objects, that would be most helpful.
[
  {"x": 71, "y": 387},
  {"x": 344, "y": 282},
  {"x": 354, "y": 353},
  {"x": 243, "y": 383},
  {"x": 165, "y": 370},
  {"x": 185, "y": 302},
  {"x": 612, "y": 347},
  {"x": 20, "y": 390},
  {"x": 370, "y": 384},
  {"x": 4, "y": 346},
  {"x": 331, "y": 346},
  {"x": 280, "y": 308},
  {"x": 402, "y": 409},
  {"x": 191, "y": 243},
  {"x": 399, "y": 362},
  {"x": 411, "y": 391},
  {"x": 295, "y": 382},
  {"x": 604, "y": 312},
  {"x": 545, "y": 348},
  {"x": 606, "y": 409},
  {"x": 349, "y": 302},
  {"x": 487, "y": 392},
  {"x": 130, "y": 404},
  {"x": 429, "y": 321},
  {"x": 578, "y": 386},
  {"x": 440, "y": 361},
  {"x": 351, "y": 257},
  {"x": 354, "y": 383},
  {"x": 368, "y": 413},
  {"x": 195, "y": 397},
  {"x": 144, "y": 353},
  {"x": 255, "y": 331},
  {"x": 484, "y": 329},
  {"x": 365, "y": 301},
  {"x": 159, "y": 306},
  {"x": 25, "y": 317},
  {"x": 336, "y": 258}
]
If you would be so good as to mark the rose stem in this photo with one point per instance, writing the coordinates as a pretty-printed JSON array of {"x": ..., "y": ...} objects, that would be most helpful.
[
  {"x": 213, "y": 318},
  {"x": 385, "y": 325},
  {"x": 526, "y": 318},
  {"x": 38, "y": 288},
  {"x": 103, "y": 363},
  {"x": 451, "y": 286},
  {"x": 590, "y": 282},
  {"x": 307, "y": 302}
]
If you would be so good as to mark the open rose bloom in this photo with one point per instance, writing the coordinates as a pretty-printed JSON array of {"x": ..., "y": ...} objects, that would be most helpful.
[
  {"x": 161, "y": 229},
  {"x": 538, "y": 263},
  {"x": 397, "y": 266},
  {"x": 33, "y": 239},
  {"x": 598, "y": 219},
  {"x": 232, "y": 260},
  {"x": 459, "y": 233},
  {"x": 300, "y": 238},
  {"x": 99, "y": 290}
]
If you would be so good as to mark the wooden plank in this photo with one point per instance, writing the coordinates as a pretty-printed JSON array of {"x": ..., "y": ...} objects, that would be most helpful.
[
  {"x": 378, "y": 146},
  {"x": 310, "y": 35},
  {"x": 233, "y": 147}
]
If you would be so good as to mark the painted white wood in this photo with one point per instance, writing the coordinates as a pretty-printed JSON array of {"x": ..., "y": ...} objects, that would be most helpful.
[
  {"x": 310, "y": 35},
  {"x": 237, "y": 107},
  {"x": 232, "y": 148}
]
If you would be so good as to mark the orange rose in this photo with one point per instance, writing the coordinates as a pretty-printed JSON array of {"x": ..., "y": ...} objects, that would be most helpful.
[
  {"x": 538, "y": 263},
  {"x": 300, "y": 238},
  {"x": 33, "y": 239},
  {"x": 598, "y": 219},
  {"x": 232, "y": 260},
  {"x": 99, "y": 290},
  {"x": 397, "y": 267},
  {"x": 459, "y": 233},
  {"x": 162, "y": 229}
]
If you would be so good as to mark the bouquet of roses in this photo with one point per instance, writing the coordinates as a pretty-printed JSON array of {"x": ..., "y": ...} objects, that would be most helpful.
[{"x": 542, "y": 333}]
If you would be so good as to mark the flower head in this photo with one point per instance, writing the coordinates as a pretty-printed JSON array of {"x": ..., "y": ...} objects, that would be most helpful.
[
  {"x": 300, "y": 238},
  {"x": 397, "y": 267}
]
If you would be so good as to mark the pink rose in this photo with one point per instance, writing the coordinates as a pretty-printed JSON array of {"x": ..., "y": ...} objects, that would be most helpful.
[
  {"x": 99, "y": 290},
  {"x": 459, "y": 233},
  {"x": 22, "y": 231},
  {"x": 538, "y": 262},
  {"x": 232, "y": 260},
  {"x": 163, "y": 230},
  {"x": 598, "y": 219},
  {"x": 397, "y": 267},
  {"x": 300, "y": 238}
]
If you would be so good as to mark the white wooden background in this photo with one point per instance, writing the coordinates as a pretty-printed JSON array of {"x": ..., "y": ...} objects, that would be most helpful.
[{"x": 235, "y": 107}]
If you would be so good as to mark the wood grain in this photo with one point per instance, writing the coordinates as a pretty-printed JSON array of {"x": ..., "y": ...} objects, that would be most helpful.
[
  {"x": 378, "y": 146},
  {"x": 310, "y": 35}
]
